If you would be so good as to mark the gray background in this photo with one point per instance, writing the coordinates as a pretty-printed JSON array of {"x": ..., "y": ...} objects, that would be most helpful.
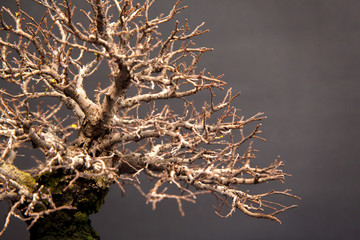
[{"x": 297, "y": 61}]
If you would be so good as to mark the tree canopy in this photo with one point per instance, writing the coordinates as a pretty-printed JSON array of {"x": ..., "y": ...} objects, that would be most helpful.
[{"x": 142, "y": 118}]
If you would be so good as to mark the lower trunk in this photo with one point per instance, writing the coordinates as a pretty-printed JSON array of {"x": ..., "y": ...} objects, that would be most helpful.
[
  {"x": 63, "y": 225},
  {"x": 85, "y": 195}
]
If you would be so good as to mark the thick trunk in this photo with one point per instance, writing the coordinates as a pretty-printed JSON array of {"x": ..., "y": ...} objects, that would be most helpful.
[
  {"x": 63, "y": 225},
  {"x": 85, "y": 195}
]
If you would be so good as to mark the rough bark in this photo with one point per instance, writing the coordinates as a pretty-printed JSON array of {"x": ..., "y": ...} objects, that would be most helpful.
[
  {"x": 64, "y": 225},
  {"x": 116, "y": 134},
  {"x": 86, "y": 197}
]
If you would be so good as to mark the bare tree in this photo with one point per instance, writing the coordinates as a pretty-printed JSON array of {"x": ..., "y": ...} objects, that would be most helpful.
[{"x": 127, "y": 127}]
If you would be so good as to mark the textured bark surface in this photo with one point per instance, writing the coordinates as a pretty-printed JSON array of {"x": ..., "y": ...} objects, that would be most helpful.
[
  {"x": 86, "y": 195},
  {"x": 129, "y": 125},
  {"x": 63, "y": 225}
]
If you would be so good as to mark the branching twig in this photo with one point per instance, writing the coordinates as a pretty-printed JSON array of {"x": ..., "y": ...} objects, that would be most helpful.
[{"x": 133, "y": 124}]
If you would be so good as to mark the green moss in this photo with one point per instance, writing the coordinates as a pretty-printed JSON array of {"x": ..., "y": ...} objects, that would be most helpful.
[
  {"x": 27, "y": 180},
  {"x": 101, "y": 182},
  {"x": 80, "y": 216},
  {"x": 55, "y": 181},
  {"x": 87, "y": 195},
  {"x": 20, "y": 176},
  {"x": 64, "y": 225}
]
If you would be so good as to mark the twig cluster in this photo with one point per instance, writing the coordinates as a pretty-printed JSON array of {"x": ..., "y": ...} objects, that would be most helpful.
[{"x": 125, "y": 128}]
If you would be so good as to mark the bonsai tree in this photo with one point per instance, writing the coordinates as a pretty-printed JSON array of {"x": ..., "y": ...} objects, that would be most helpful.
[{"x": 140, "y": 119}]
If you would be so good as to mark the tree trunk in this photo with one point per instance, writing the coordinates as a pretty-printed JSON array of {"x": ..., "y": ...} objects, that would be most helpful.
[
  {"x": 86, "y": 195},
  {"x": 64, "y": 225}
]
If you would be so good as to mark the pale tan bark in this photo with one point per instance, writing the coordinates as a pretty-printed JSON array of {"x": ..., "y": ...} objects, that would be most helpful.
[{"x": 198, "y": 146}]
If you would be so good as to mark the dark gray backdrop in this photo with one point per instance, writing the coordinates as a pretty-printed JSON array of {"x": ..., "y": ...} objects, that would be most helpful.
[{"x": 297, "y": 61}]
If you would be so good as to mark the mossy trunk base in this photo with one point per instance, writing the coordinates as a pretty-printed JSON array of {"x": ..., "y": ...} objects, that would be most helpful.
[
  {"x": 85, "y": 195},
  {"x": 64, "y": 225}
]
